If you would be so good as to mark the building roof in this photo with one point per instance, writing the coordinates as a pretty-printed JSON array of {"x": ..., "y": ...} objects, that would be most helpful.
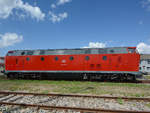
[
  {"x": 144, "y": 56},
  {"x": 2, "y": 61}
]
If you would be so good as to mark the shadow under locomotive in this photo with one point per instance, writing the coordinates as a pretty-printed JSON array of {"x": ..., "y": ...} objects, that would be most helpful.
[{"x": 76, "y": 76}]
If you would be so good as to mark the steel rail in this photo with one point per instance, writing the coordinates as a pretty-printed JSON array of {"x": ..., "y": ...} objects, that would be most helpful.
[
  {"x": 72, "y": 108},
  {"x": 72, "y": 95},
  {"x": 143, "y": 81}
]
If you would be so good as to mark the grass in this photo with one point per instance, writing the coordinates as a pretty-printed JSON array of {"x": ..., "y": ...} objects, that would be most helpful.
[
  {"x": 45, "y": 92},
  {"x": 147, "y": 76},
  {"x": 148, "y": 105},
  {"x": 120, "y": 101},
  {"x": 76, "y": 87}
]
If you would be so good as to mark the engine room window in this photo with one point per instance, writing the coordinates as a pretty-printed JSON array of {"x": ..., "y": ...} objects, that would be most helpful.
[
  {"x": 87, "y": 51},
  {"x": 102, "y": 51},
  {"x": 112, "y": 51},
  {"x": 87, "y": 58},
  {"x": 56, "y": 58},
  {"x": 30, "y": 53},
  {"x": 27, "y": 58},
  {"x": 71, "y": 58},
  {"x": 94, "y": 51},
  {"x": 104, "y": 57},
  {"x": 42, "y": 58},
  {"x": 42, "y": 52}
]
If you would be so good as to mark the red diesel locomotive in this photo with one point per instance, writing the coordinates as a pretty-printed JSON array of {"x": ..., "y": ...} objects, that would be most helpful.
[{"x": 85, "y": 63}]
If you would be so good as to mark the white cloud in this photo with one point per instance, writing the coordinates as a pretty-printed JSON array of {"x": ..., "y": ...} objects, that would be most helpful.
[
  {"x": 57, "y": 18},
  {"x": 146, "y": 4},
  {"x": 7, "y": 7},
  {"x": 53, "y": 6},
  {"x": 61, "y": 16},
  {"x": 143, "y": 48},
  {"x": 9, "y": 39},
  {"x": 20, "y": 16},
  {"x": 141, "y": 22},
  {"x": 95, "y": 45},
  {"x": 61, "y": 2}
]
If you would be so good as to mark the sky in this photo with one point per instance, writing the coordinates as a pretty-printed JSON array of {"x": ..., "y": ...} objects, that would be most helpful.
[{"x": 58, "y": 24}]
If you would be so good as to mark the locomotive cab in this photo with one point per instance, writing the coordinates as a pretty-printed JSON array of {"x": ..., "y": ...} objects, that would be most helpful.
[{"x": 132, "y": 50}]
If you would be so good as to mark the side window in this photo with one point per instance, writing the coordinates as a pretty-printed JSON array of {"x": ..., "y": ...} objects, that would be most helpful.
[
  {"x": 104, "y": 57},
  {"x": 42, "y": 58},
  {"x": 71, "y": 58},
  {"x": 30, "y": 53},
  {"x": 56, "y": 58},
  {"x": 87, "y": 58},
  {"x": 27, "y": 58}
]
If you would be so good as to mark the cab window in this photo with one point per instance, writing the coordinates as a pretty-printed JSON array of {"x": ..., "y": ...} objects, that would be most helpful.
[
  {"x": 10, "y": 53},
  {"x": 131, "y": 50}
]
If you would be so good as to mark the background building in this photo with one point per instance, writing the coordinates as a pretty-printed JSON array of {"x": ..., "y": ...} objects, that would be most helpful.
[
  {"x": 1, "y": 64},
  {"x": 145, "y": 63},
  {"x": 1, "y": 61}
]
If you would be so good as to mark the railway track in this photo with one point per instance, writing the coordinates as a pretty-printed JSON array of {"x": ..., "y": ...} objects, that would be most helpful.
[
  {"x": 143, "y": 81},
  {"x": 11, "y": 98},
  {"x": 73, "y": 95}
]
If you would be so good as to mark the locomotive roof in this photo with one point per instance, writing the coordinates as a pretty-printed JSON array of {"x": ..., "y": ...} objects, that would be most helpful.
[
  {"x": 72, "y": 49},
  {"x": 111, "y": 50}
]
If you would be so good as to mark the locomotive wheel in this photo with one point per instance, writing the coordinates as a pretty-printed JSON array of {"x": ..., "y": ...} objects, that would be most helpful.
[
  {"x": 131, "y": 78},
  {"x": 10, "y": 76}
]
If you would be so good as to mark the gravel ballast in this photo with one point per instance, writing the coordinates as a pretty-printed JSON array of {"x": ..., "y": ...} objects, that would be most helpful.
[{"x": 97, "y": 103}]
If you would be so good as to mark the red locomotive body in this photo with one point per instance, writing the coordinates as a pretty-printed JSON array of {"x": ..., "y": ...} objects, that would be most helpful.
[{"x": 86, "y": 63}]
